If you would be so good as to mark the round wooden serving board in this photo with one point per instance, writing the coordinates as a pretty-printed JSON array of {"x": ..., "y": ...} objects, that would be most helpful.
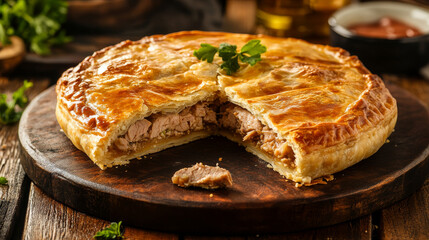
[{"x": 260, "y": 200}]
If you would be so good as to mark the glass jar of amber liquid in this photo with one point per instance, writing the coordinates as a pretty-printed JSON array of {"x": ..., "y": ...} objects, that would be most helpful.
[{"x": 296, "y": 18}]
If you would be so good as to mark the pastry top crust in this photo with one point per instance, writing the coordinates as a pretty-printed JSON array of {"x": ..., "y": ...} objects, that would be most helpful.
[
  {"x": 157, "y": 73},
  {"x": 313, "y": 95}
]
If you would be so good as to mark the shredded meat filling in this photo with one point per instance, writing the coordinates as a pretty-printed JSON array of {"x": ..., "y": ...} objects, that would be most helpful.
[
  {"x": 251, "y": 129},
  {"x": 159, "y": 126},
  {"x": 201, "y": 116}
]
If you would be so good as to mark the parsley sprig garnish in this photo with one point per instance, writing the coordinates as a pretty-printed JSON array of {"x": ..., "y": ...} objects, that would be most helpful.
[
  {"x": 111, "y": 232},
  {"x": 250, "y": 53},
  {"x": 8, "y": 112},
  {"x": 3, "y": 181}
]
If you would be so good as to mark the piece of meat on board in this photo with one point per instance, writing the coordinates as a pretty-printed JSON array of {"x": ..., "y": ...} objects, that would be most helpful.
[{"x": 202, "y": 176}]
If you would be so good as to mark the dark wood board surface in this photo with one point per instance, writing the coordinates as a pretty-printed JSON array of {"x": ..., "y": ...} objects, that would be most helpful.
[{"x": 142, "y": 195}]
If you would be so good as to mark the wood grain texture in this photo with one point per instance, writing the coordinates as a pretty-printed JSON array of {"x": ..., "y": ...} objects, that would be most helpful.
[
  {"x": 12, "y": 196},
  {"x": 196, "y": 237},
  {"x": 49, "y": 219},
  {"x": 360, "y": 228},
  {"x": 259, "y": 201},
  {"x": 407, "y": 219}
]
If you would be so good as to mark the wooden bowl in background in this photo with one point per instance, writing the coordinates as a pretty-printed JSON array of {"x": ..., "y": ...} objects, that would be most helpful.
[{"x": 11, "y": 55}]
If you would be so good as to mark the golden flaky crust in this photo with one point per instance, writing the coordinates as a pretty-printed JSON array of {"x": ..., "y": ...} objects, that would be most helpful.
[{"x": 330, "y": 109}]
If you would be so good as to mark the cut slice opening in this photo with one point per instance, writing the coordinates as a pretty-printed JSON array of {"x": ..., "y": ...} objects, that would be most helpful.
[
  {"x": 201, "y": 120},
  {"x": 158, "y": 128},
  {"x": 249, "y": 129}
]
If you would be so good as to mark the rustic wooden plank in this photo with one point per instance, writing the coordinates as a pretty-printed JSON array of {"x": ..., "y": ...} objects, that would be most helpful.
[
  {"x": 360, "y": 228},
  {"x": 408, "y": 219},
  {"x": 49, "y": 219},
  {"x": 356, "y": 229},
  {"x": 213, "y": 237},
  {"x": 200, "y": 237},
  {"x": 13, "y": 195}
]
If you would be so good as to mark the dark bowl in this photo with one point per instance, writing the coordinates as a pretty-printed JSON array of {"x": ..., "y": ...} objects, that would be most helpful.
[{"x": 381, "y": 55}]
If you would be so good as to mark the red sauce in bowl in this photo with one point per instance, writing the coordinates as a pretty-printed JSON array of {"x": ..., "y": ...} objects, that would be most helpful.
[{"x": 386, "y": 27}]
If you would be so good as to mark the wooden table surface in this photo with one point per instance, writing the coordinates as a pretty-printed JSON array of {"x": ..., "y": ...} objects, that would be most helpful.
[{"x": 27, "y": 213}]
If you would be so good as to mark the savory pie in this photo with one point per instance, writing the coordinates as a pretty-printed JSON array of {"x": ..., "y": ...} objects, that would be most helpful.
[{"x": 308, "y": 110}]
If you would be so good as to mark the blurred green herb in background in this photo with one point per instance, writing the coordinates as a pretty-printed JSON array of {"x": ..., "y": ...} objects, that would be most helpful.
[
  {"x": 8, "y": 113},
  {"x": 37, "y": 22}
]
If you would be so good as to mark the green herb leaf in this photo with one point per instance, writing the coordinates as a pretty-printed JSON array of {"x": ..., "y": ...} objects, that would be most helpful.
[
  {"x": 8, "y": 113},
  {"x": 231, "y": 66},
  {"x": 250, "y": 53},
  {"x": 3, "y": 181},
  {"x": 227, "y": 51},
  {"x": 112, "y": 232},
  {"x": 19, "y": 95},
  {"x": 206, "y": 52},
  {"x": 253, "y": 47},
  {"x": 37, "y": 22}
]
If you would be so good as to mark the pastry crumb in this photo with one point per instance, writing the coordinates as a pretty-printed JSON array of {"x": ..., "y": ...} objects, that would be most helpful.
[
  {"x": 211, "y": 195},
  {"x": 320, "y": 180},
  {"x": 387, "y": 141}
]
